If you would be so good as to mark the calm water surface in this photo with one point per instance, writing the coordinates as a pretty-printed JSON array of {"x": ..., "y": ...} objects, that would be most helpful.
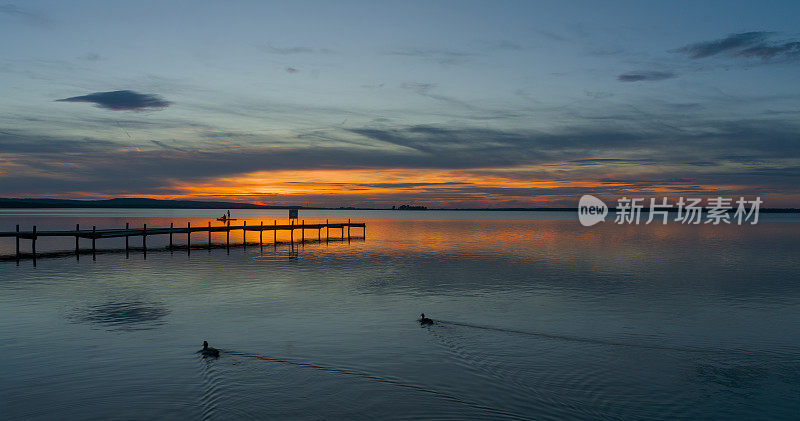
[{"x": 537, "y": 318}]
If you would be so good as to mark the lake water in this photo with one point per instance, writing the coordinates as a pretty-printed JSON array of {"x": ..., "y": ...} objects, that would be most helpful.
[{"x": 537, "y": 317}]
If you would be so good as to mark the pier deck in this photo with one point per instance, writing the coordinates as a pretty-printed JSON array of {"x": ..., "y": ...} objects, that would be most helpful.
[{"x": 145, "y": 232}]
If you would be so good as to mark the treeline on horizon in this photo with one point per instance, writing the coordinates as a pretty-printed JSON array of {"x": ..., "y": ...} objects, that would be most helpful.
[{"x": 21, "y": 203}]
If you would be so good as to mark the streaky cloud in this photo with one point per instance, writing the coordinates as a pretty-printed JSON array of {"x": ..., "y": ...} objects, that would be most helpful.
[
  {"x": 30, "y": 16},
  {"x": 746, "y": 44},
  {"x": 91, "y": 57},
  {"x": 439, "y": 55},
  {"x": 121, "y": 100},
  {"x": 730, "y": 43},
  {"x": 269, "y": 48},
  {"x": 768, "y": 52},
  {"x": 648, "y": 76}
]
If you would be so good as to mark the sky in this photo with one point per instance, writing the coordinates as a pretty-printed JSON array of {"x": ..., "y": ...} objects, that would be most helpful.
[{"x": 436, "y": 103}]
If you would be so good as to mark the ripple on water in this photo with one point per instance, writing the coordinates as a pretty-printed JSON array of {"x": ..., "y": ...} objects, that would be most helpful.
[{"x": 123, "y": 315}]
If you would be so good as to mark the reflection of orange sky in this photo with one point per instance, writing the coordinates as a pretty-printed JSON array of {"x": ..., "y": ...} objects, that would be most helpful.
[{"x": 632, "y": 245}]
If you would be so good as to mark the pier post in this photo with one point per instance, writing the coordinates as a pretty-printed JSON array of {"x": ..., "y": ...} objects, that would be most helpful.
[
  {"x": 348, "y": 228},
  {"x": 209, "y": 236},
  {"x": 127, "y": 225},
  {"x": 33, "y": 243},
  {"x": 261, "y": 235},
  {"x": 77, "y": 241},
  {"x": 291, "y": 232},
  {"x": 17, "y": 236},
  {"x": 275, "y": 232},
  {"x": 170, "y": 235},
  {"x": 303, "y": 232},
  {"x": 94, "y": 233},
  {"x": 33, "y": 246},
  {"x": 244, "y": 233},
  {"x": 327, "y": 231},
  {"x": 144, "y": 238},
  {"x": 188, "y": 237},
  {"x": 342, "y": 231},
  {"x": 228, "y": 236}
]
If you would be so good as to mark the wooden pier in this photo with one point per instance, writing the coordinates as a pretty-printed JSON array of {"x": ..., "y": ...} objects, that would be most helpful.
[{"x": 94, "y": 234}]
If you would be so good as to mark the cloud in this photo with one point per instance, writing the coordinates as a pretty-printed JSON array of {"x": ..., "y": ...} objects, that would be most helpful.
[
  {"x": 502, "y": 45},
  {"x": 438, "y": 55},
  {"x": 425, "y": 89},
  {"x": 29, "y": 16},
  {"x": 650, "y": 76},
  {"x": 605, "y": 161},
  {"x": 22, "y": 143},
  {"x": 419, "y": 87},
  {"x": 598, "y": 94},
  {"x": 121, "y": 100},
  {"x": 551, "y": 36},
  {"x": 91, "y": 57},
  {"x": 767, "y": 52},
  {"x": 730, "y": 43},
  {"x": 269, "y": 48},
  {"x": 758, "y": 155},
  {"x": 745, "y": 44}
]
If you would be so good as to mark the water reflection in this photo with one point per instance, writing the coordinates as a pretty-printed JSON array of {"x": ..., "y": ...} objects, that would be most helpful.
[{"x": 547, "y": 320}]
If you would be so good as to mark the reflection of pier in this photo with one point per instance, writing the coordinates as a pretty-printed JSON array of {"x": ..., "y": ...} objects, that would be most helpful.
[{"x": 94, "y": 234}]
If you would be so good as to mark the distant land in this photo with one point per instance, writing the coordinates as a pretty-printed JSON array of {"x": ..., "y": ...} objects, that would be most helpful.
[{"x": 141, "y": 203}]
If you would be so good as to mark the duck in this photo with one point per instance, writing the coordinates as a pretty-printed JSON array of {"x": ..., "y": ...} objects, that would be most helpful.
[
  {"x": 424, "y": 320},
  {"x": 209, "y": 351}
]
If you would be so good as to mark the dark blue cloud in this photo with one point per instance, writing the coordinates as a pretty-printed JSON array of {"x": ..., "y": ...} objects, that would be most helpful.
[
  {"x": 645, "y": 76},
  {"x": 269, "y": 48},
  {"x": 767, "y": 52},
  {"x": 121, "y": 100},
  {"x": 732, "y": 42},
  {"x": 29, "y": 16},
  {"x": 745, "y": 44},
  {"x": 438, "y": 55}
]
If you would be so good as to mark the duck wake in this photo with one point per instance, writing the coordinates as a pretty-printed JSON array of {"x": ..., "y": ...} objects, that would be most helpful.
[
  {"x": 211, "y": 389},
  {"x": 578, "y": 339},
  {"x": 393, "y": 382}
]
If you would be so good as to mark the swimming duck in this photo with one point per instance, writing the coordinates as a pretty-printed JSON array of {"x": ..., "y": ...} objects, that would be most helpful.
[
  {"x": 209, "y": 351},
  {"x": 424, "y": 320}
]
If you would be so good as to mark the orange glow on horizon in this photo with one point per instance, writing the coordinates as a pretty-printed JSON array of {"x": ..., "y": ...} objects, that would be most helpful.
[
  {"x": 489, "y": 187},
  {"x": 429, "y": 187}
]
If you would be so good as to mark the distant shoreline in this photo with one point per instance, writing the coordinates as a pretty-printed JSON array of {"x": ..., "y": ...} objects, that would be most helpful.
[{"x": 12, "y": 203}]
